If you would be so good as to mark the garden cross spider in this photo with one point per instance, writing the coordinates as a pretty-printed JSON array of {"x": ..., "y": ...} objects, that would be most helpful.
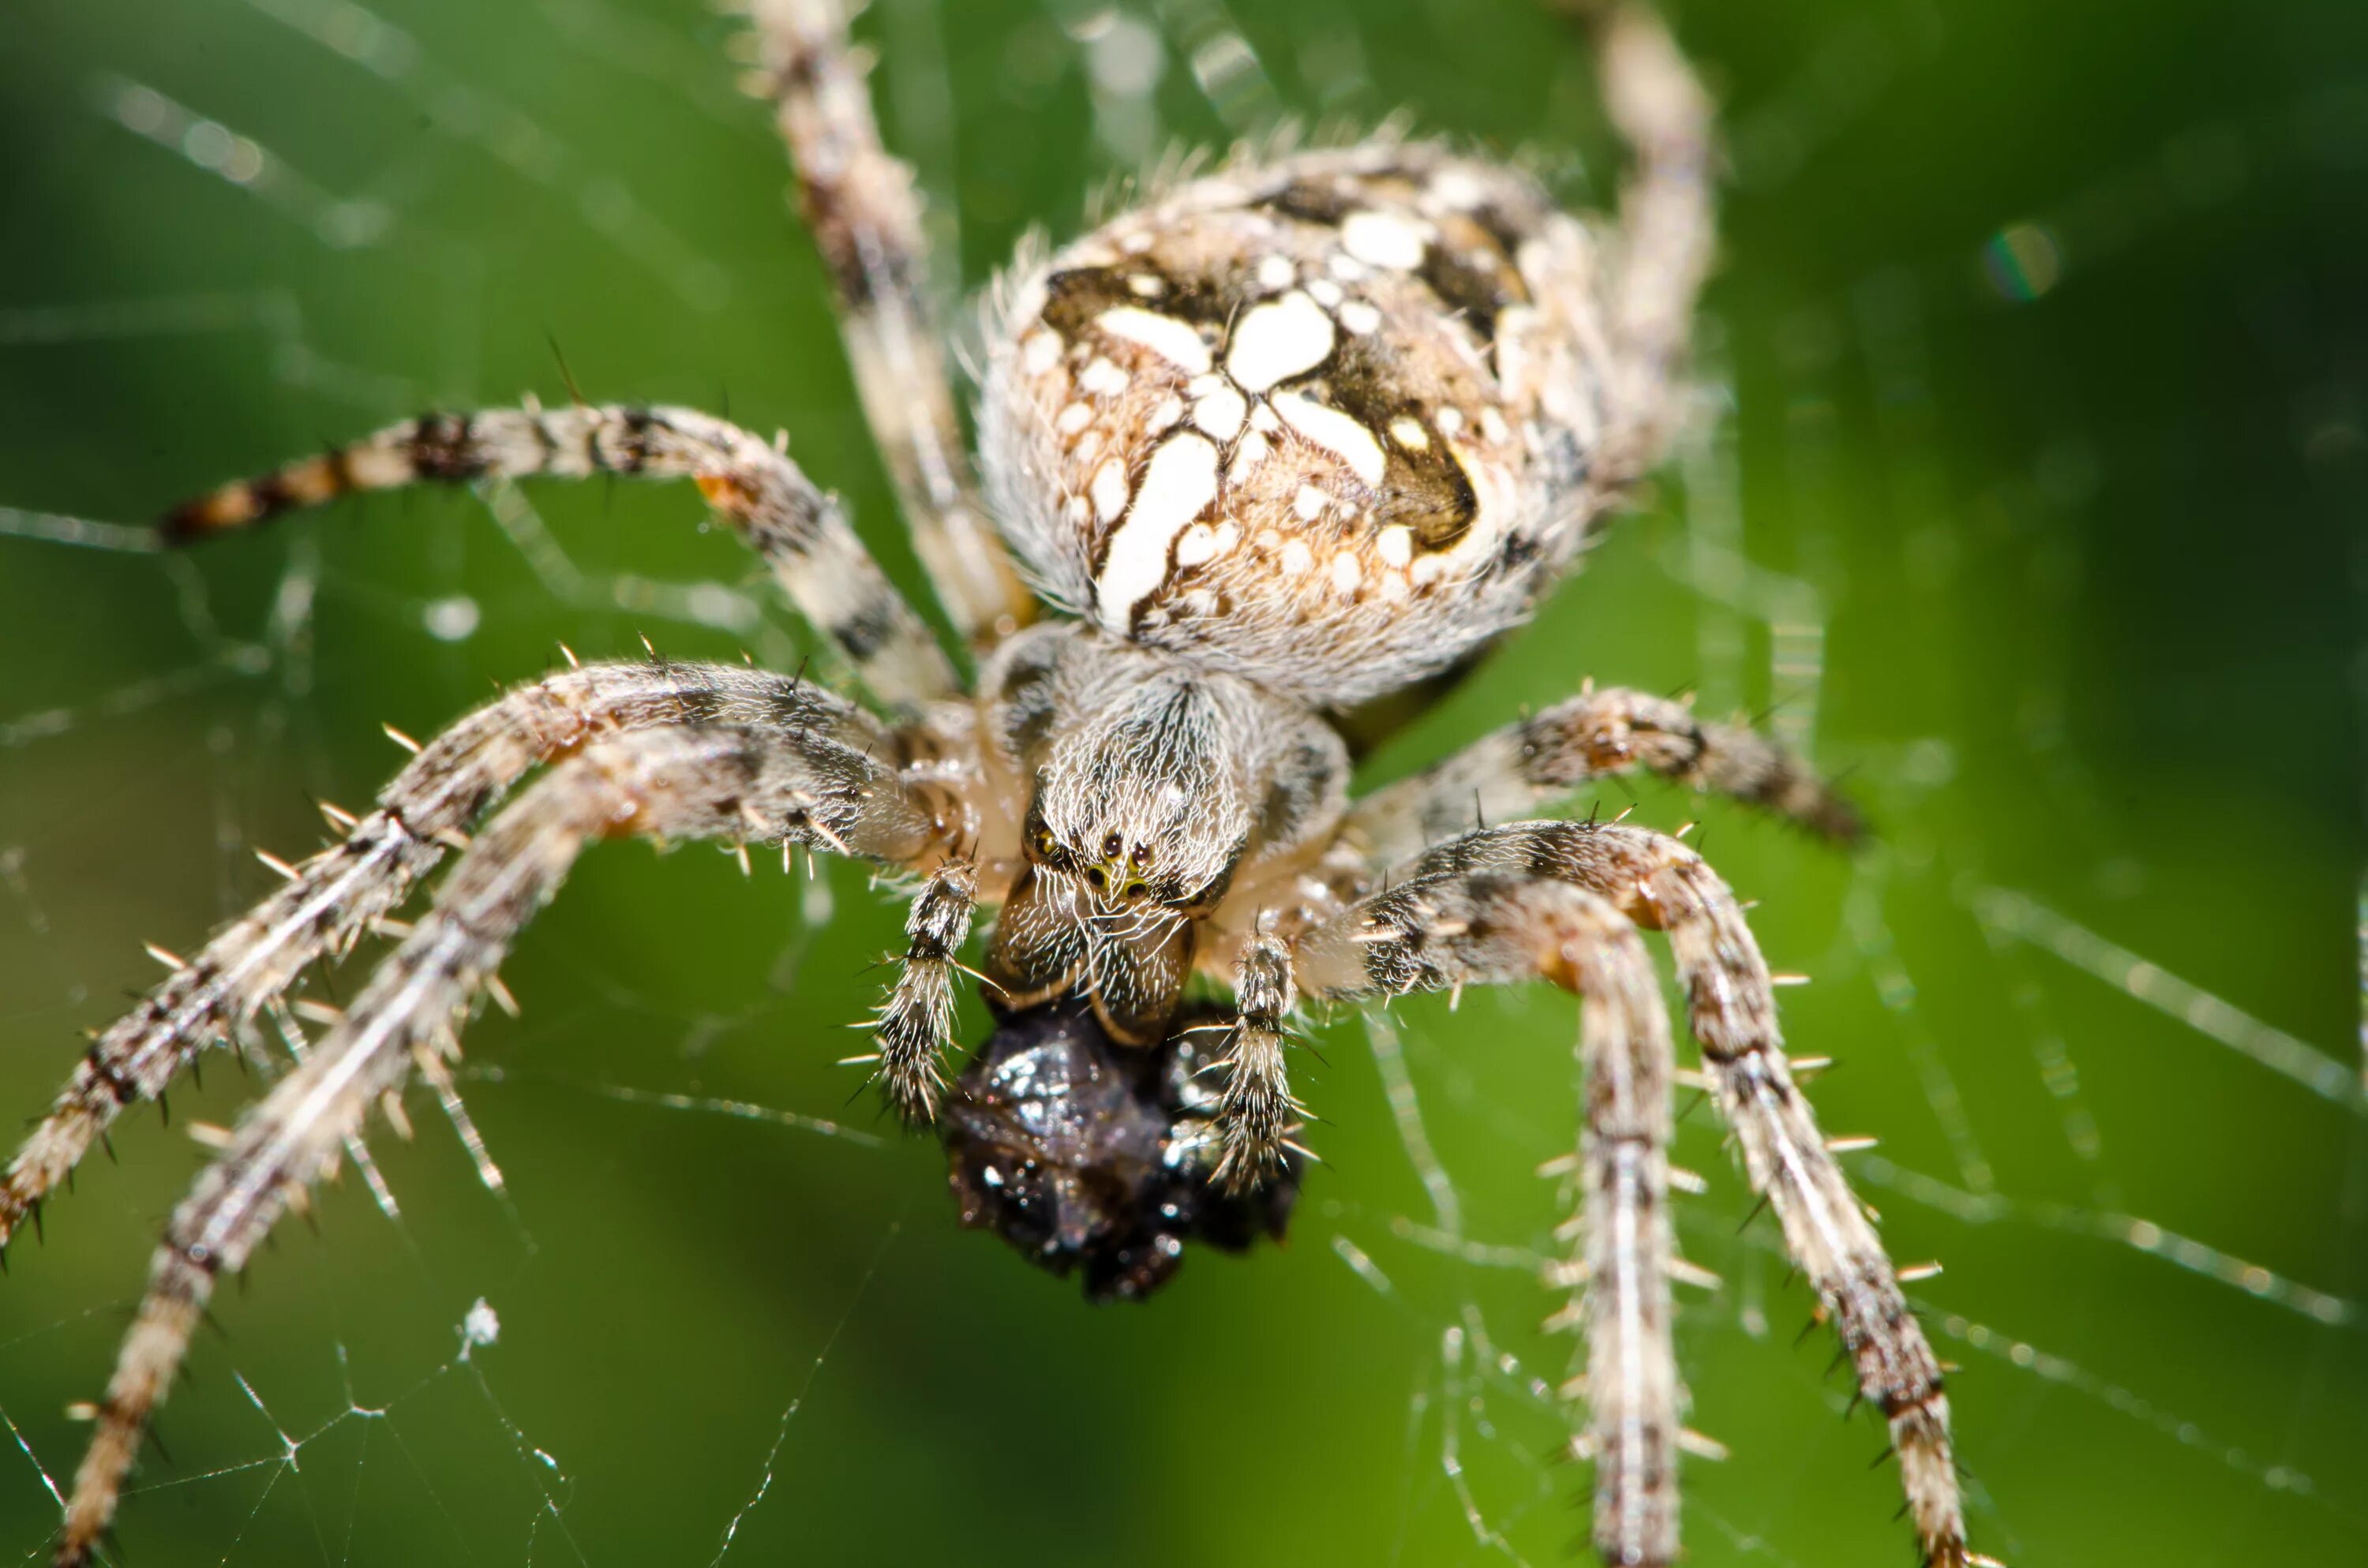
[{"x": 1279, "y": 441}]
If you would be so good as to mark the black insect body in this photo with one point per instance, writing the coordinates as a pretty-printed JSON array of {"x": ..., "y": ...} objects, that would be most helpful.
[{"x": 1088, "y": 1155}]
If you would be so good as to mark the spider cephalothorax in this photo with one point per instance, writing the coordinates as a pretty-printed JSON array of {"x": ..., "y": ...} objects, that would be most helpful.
[
  {"x": 1153, "y": 791},
  {"x": 1284, "y": 439}
]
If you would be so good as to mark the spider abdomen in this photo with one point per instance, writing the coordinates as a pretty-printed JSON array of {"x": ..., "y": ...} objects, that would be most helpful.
[{"x": 1322, "y": 423}]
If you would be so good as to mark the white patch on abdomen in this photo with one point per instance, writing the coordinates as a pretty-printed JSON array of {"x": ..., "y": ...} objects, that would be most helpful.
[
  {"x": 1173, "y": 340},
  {"x": 1385, "y": 239},
  {"x": 1177, "y": 485},
  {"x": 1341, "y": 435},
  {"x": 1277, "y": 340},
  {"x": 1220, "y": 415}
]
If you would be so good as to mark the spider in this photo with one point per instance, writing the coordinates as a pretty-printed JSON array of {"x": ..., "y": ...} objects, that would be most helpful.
[{"x": 1282, "y": 441}]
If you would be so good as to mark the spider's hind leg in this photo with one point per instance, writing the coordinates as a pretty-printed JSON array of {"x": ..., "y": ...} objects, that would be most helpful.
[
  {"x": 859, "y": 204},
  {"x": 1667, "y": 235}
]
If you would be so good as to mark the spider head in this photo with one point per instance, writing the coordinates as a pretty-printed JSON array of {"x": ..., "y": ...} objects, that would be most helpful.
[
  {"x": 1143, "y": 807},
  {"x": 1083, "y": 1152},
  {"x": 1137, "y": 819}
]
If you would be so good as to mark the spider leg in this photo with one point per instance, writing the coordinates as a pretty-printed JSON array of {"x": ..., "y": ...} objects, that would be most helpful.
[
  {"x": 859, "y": 204},
  {"x": 802, "y": 533},
  {"x": 333, "y": 898},
  {"x": 917, "y": 1022},
  {"x": 1451, "y": 928},
  {"x": 1257, "y": 1114},
  {"x": 742, "y": 784},
  {"x": 1658, "y": 882},
  {"x": 1667, "y": 235},
  {"x": 1523, "y": 768}
]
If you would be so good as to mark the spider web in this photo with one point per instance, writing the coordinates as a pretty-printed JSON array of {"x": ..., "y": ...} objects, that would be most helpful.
[{"x": 1951, "y": 515}]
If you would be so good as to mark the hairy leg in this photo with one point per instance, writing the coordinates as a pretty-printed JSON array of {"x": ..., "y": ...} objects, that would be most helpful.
[
  {"x": 1634, "y": 1398},
  {"x": 916, "y": 1022},
  {"x": 860, "y": 206},
  {"x": 1454, "y": 929},
  {"x": 332, "y": 898},
  {"x": 1523, "y": 768},
  {"x": 1668, "y": 231},
  {"x": 1658, "y": 882},
  {"x": 802, "y": 533},
  {"x": 1257, "y": 1114},
  {"x": 1826, "y": 1228},
  {"x": 737, "y": 784}
]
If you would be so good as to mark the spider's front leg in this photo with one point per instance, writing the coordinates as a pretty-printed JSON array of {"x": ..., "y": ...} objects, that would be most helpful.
[
  {"x": 1257, "y": 1114},
  {"x": 1442, "y": 929},
  {"x": 330, "y": 900},
  {"x": 916, "y": 1022},
  {"x": 1423, "y": 932},
  {"x": 751, "y": 783}
]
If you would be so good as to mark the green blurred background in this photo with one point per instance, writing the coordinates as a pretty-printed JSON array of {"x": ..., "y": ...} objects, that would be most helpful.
[{"x": 2033, "y": 500}]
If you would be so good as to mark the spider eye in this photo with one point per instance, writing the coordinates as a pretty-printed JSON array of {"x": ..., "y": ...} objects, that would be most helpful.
[
  {"x": 1135, "y": 890},
  {"x": 1046, "y": 843},
  {"x": 1110, "y": 848},
  {"x": 1141, "y": 856},
  {"x": 1094, "y": 875}
]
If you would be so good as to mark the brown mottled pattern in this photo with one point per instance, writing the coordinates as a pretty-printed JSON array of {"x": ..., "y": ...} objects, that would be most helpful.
[{"x": 1349, "y": 550}]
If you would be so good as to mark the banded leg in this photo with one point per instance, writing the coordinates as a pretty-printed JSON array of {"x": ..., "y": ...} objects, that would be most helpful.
[
  {"x": 1257, "y": 1114},
  {"x": 1498, "y": 926},
  {"x": 917, "y": 1022},
  {"x": 858, "y": 202},
  {"x": 1667, "y": 230},
  {"x": 742, "y": 784},
  {"x": 332, "y": 898},
  {"x": 802, "y": 533},
  {"x": 1523, "y": 768},
  {"x": 1658, "y": 882}
]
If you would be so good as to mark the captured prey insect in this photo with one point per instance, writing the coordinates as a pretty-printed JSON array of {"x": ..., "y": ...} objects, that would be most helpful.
[{"x": 1281, "y": 440}]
